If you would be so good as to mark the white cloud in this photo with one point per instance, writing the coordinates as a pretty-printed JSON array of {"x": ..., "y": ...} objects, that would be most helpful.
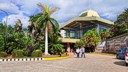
[
  {"x": 13, "y": 17},
  {"x": 72, "y": 8},
  {"x": 69, "y": 9},
  {"x": 30, "y": 7},
  {"x": 9, "y": 7}
]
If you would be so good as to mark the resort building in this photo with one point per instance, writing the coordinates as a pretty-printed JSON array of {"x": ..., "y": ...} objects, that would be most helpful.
[{"x": 74, "y": 29}]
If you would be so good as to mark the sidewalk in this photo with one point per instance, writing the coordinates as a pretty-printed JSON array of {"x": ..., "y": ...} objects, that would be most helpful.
[{"x": 108, "y": 54}]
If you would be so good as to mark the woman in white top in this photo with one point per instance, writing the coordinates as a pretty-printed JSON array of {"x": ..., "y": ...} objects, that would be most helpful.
[{"x": 77, "y": 52}]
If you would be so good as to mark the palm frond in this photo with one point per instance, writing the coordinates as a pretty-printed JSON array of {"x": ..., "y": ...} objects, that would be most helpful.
[
  {"x": 53, "y": 10},
  {"x": 55, "y": 25},
  {"x": 41, "y": 6}
]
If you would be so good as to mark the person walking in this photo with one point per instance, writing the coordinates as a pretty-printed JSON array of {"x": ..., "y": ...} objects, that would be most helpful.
[
  {"x": 82, "y": 52},
  {"x": 77, "y": 52}
]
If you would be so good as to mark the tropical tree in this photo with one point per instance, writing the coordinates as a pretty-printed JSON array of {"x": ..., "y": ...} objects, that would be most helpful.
[
  {"x": 54, "y": 42},
  {"x": 2, "y": 29},
  {"x": 1, "y": 43},
  {"x": 121, "y": 24},
  {"x": 123, "y": 18},
  {"x": 79, "y": 44},
  {"x": 45, "y": 21},
  {"x": 3, "y": 33},
  {"x": 104, "y": 34},
  {"x": 18, "y": 39},
  {"x": 35, "y": 32},
  {"x": 10, "y": 29},
  {"x": 1, "y": 37},
  {"x": 53, "y": 38},
  {"x": 18, "y": 26},
  {"x": 91, "y": 39}
]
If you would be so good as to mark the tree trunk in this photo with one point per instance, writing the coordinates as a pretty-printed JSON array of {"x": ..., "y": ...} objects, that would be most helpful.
[{"x": 46, "y": 41}]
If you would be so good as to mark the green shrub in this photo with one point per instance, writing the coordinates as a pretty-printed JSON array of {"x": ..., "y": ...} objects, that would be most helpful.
[
  {"x": 3, "y": 54},
  {"x": 17, "y": 53},
  {"x": 37, "y": 53},
  {"x": 56, "y": 49},
  {"x": 1, "y": 43}
]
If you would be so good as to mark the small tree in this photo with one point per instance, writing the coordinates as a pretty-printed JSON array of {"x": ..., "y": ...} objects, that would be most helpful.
[
  {"x": 1, "y": 37},
  {"x": 1, "y": 43},
  {"x": 104, "y": 34},
  {"x": 91, "y": 39},
  {"x": 79, "y": 44}
]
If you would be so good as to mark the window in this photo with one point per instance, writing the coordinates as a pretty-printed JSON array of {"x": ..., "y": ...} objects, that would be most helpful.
[
  {"x": 67, "y": 33},
  {"x": 72, "y": 34}
]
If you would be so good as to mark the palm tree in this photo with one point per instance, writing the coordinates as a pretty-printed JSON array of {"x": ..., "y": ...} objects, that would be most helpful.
[
  {"x": 18, "y": 26},
  {"x": 34, "y": 30},
  {"x": 45, "y": 21}
]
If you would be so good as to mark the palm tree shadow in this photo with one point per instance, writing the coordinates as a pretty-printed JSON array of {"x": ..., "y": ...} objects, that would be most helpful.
[{"x": 121, "y": 63}]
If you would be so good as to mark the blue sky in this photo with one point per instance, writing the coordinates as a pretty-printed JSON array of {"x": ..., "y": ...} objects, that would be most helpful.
[{"x": 22, "y": 9}]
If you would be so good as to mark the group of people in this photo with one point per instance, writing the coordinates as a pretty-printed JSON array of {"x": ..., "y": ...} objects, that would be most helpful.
[{"x": 80, "y": 52}]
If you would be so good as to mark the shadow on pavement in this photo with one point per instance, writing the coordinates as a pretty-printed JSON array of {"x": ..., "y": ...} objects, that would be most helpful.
[{"x": 121, "y": 63}]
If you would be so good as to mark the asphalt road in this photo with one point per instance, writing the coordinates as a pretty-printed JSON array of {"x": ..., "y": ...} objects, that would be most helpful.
[{"x": 92, "y": 63}]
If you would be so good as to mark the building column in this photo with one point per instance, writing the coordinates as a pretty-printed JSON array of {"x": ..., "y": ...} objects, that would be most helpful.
[
  {"x": 68, "y": 48},
  {"x": 98, "y": 28},
  {"x": 81, "y": 31}
]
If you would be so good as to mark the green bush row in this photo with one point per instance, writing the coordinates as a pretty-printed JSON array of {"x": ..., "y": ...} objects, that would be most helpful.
[
  {"x": 3, "y": 54},
  {"x": 17, "y": 53},
  {"x": 37, "y": 53},
  {"x": 20, "y": 53}
]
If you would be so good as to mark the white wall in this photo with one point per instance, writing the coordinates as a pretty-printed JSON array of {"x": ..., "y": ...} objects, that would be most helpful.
[{"x": 63, "y": 33}]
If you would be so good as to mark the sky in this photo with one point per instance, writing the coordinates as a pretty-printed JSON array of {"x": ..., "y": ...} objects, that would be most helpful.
[{"x": 68, "y": 9}]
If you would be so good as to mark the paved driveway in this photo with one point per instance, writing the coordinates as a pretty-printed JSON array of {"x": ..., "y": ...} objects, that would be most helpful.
[{"x": 92, "y": 63}]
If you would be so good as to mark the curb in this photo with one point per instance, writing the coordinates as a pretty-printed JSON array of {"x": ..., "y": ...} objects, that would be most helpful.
[
  {"x": 22, "y": 59},
  {"x": 33, "y": 59},
  {"x": 56, "y": 58}
]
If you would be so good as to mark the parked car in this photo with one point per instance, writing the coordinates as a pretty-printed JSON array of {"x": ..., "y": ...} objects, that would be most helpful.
[
  {"x": 121, "y": 53},
  {"x": 126, "y": 57}
]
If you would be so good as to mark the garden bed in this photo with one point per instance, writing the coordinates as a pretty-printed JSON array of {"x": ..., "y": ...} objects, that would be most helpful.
[
  {"x": 43, "y": 56},
  {"x": 52, "y": 56}
]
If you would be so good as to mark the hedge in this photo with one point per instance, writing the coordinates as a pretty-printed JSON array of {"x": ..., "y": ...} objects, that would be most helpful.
[
  {"x": 17, "y": 53},
  {"x": 3, "y": 54},
  {"x": 37, "y": 53}
]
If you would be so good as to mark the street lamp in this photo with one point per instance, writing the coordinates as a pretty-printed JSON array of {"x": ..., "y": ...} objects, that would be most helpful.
[{"x": 5, "y": 37}]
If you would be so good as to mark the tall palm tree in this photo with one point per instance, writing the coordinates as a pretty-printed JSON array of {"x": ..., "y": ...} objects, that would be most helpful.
[{"x": 45, "y": 21}]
